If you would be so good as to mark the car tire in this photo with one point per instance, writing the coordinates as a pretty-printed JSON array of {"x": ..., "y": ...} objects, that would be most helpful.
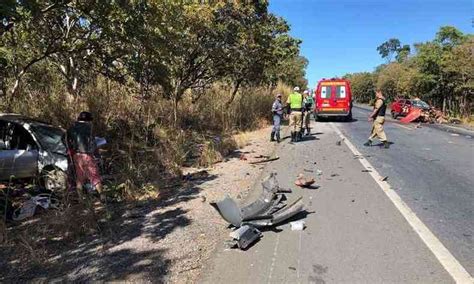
[
  {"x": 54, "y": 180},
  {"x": 349, "y": 117}
]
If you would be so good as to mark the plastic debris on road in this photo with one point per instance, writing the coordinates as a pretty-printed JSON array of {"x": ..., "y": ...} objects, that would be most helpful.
[
  {"x": 298, "y": 225},
  {"x": 301, "y": 181},
  {"x": 268, "y": 210}
]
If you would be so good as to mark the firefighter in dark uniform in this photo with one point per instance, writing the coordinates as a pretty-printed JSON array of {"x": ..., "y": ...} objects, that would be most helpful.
[{"x": 378, "y": 118}]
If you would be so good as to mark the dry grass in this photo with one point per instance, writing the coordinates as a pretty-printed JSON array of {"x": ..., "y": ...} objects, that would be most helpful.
[
  {"x": 241, "y": 139},
  {"x": 144, "y": 146}
]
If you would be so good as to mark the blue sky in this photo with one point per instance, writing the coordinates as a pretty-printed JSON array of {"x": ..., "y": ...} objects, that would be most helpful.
[{"x": 341, "y": 36}]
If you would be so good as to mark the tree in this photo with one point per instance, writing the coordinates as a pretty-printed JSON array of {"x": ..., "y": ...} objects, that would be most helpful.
[
  {"x": 362, "y": 85},
  {"x": 448, "y": 36},
  {"x": 459, "y": 68},
  {"x": 389, "y": 48},
  {"x": 403, "y": 53}
]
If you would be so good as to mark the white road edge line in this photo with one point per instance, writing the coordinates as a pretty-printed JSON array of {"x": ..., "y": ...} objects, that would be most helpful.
[{"x": 447, "y": 260}]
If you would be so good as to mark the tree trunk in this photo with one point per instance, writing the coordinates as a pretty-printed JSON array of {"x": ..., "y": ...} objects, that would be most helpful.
[{"x": 234, "y": 91}]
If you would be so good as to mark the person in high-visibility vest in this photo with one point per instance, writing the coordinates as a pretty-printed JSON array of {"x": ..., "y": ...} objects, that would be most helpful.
[{"x": 295, "y": 105}]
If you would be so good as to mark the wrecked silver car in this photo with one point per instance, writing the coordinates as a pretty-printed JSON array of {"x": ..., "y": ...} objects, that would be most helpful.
[{"x": 32, "y": 149}]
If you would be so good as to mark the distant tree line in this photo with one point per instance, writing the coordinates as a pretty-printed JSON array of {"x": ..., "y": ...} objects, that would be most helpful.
[{"x": 440, "y": 72}]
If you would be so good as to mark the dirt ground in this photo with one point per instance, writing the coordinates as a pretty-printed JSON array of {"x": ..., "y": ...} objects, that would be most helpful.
[{"x": 154, "y": 241}]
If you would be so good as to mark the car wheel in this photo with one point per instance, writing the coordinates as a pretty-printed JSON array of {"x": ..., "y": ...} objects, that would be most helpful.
[
  {"x": 55, "y": 180},
  {"x": 349, "y": 117}
]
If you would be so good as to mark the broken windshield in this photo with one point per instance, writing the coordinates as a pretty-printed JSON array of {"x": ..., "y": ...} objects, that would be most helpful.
[
  {"x": 50, "y": 138},
  {"x": 420, "y": 104}
]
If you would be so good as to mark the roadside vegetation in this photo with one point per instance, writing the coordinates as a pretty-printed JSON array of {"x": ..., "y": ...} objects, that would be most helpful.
[
  {"x": 169, "y": 84},
  {"x": 440, "y": 72}
]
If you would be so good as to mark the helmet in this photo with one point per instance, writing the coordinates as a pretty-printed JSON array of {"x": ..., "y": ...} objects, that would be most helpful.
[
  {"x": 297, "y": 89},
  {"x": 85, "y": 116},
  {"x": 306, "y": 92}
]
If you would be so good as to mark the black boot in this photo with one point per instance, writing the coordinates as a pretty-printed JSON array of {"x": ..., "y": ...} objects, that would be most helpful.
[
  {"x": 386, "y": 144},
  {"x": 292, "y": 137},
  {"x": 299, "y": 136},
  {"x": 368, "y": 143},
  {"x": 278, "y": 137},
  {"x": 308, "y": 131},
  {"x": 272, "y": 136}
]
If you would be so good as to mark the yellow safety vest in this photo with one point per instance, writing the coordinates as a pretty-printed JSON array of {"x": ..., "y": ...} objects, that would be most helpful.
[{"x": 295, "y": 100}]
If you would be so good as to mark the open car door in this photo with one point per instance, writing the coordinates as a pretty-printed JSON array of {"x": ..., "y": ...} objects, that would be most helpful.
[{"x": 18, "y": 153}]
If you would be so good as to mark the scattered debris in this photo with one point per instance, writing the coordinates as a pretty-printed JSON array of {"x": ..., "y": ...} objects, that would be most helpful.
[
  {"x": 353, "y": 200},
  {"x": 366, "y": 171},
  {"x": 301, "y": 181},
  {"x": 243, "y": 157},
  {"x": 319, "y": 172},
  {"x": 28, "y": 208},
  {"x": 262, "y": 157},
  {"x": 454, "y": 134},
  {"x": 298, "y": 225},
  {"x": 366, "y": 212},
  {"x": 244, "y": 236},
  {"x": 271, "y": 159},
  {"x": 334, "y": 175},
  {"x": 383, "y": 178},
  {"x": 308, "y": 171},
  {"x": 292, "y": 268},
  {"x": 196, "y": 176},
  {"x": 268, "y": 210}
]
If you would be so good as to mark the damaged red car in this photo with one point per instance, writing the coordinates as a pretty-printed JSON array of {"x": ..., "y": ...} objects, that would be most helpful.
[{"x": 402, "y": 107}]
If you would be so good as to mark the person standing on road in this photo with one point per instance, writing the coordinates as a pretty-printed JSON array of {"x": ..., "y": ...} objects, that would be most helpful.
[
  {"x": 277, "y": 111},
  {"x": 378, "y": 118},
  {"x": 308, "y": 103},
  {"x": 295, "y": 105},
  {"x": 81, "y": 145}
]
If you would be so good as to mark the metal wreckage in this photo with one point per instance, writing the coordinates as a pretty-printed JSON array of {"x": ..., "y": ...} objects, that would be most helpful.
[{"x": 268, "y": 210}]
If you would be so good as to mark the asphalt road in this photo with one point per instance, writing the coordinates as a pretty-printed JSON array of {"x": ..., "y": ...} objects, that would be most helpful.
[{"x": 355, "y": 233}]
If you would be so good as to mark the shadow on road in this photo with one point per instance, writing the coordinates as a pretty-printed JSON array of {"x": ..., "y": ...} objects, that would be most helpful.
[{"x": 336, "y": 119}]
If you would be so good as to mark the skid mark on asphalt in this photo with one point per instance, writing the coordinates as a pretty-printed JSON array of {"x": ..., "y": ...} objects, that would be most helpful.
[{"x": 444, "y": 256}]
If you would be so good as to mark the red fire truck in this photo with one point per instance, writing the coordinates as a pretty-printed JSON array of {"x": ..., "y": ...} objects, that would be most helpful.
[{"x": 333, "y": 98}]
